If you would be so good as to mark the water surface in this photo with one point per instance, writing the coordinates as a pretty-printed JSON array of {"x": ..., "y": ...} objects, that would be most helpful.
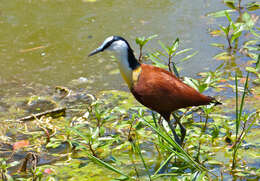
[{"x": 47, "y": 42}]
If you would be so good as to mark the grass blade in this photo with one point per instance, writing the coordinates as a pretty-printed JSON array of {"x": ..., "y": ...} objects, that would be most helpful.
[
  {"x": 243, "y": 96},
  {"x": 138, "y": 150},
  {"x": 182, "y": 154},
  {"x": 237, "y": 120},
  {"x": 162, "y": 165}
]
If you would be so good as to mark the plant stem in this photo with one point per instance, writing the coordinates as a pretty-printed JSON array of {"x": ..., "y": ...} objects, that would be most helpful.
[
  {"x": 239, "y": 4},
  {"x": 169, "y": 63},
  {"x": 141, "y": 54},
  {"x": 91, "y": 149}
]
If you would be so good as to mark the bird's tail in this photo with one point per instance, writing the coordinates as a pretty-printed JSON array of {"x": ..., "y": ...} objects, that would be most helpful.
[{"x": 214, "y": 101}]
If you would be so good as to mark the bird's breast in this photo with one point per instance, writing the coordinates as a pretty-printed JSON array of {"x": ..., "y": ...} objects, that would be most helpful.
[{"x": 130, "y": 76}]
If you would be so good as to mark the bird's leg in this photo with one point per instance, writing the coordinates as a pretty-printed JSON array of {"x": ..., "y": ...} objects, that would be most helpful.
[
  {"x": 160, "y": 120},
  {"x": 183, "y": 129},
  {"x": 176, "y": 137}
]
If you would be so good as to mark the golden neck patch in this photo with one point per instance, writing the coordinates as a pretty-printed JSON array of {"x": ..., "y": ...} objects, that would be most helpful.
[
  {"x": 131, "y": 78},
  {"x": 135, "y": 75}
]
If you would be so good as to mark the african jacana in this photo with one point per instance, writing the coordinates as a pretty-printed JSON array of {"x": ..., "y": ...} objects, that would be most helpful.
[{"x": 153, "y": 87}]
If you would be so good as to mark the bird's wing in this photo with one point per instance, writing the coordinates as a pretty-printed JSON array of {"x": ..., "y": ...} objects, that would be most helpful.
[{"x": 160, "y": 90}]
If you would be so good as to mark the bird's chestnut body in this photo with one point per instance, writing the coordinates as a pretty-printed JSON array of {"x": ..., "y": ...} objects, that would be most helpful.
[{"x": 163, "y": 92}]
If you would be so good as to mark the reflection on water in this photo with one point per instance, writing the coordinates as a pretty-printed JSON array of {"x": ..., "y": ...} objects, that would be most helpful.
[{"x": 47, "y": 42}]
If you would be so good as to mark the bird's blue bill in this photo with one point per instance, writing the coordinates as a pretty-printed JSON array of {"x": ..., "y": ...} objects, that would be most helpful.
[{"x": 99, "y": 49}]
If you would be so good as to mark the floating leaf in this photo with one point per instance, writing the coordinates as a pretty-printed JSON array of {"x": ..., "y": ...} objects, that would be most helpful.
[
  {"x": 113, "y": 72},
  {"x": 256, "y": 81},
  {"x": 220, "y": 45},
  {"x": 215, "y": 33},
  {"x": 12, "y": 164},
  {"x": 215, "y": 162},
  {"x": 253, "y": 55},
  {"x": 240, "y": 174},
  {"x": 220, "y": 13},
  {"x": 91, "y": 1},
  {"x": 251, "y": 69},
  {"x": 223, "y": 56},
  {"x": 253, "y": 6}
]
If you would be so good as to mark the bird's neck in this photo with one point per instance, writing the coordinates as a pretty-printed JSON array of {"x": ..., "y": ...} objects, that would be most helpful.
[{"x": 128, "y": 65}]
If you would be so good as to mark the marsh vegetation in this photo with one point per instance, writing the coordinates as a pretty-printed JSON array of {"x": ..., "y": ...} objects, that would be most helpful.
[{"x": 109, "y": 136}]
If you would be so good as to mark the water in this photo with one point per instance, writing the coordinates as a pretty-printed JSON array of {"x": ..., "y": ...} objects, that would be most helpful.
[{"x": 47, "y": 42}]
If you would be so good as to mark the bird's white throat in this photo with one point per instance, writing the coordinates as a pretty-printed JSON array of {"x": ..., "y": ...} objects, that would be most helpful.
[{"x": 121, "y": 51}]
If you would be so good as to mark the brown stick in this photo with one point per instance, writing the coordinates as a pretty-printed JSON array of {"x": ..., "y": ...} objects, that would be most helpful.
[{"x": 57, "y": 112}]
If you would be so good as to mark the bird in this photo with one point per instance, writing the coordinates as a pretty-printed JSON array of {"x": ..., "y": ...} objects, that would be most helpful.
[{"x": 154, "y": 87}]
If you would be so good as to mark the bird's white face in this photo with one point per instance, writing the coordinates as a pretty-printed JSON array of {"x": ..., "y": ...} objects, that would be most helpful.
[{"x": 118, "y": 46}]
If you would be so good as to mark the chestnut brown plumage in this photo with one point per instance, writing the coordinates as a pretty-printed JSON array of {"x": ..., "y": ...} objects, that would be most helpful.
[
  {"x": 164, "y": 93},
  {"x": 154, "y": 87}
]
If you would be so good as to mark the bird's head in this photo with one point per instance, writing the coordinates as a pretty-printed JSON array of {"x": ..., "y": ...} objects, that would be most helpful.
[{"x": 116, "y": 44}]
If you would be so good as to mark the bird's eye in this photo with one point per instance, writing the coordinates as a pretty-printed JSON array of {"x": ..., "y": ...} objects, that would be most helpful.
[{"x": 107, "y": 45}]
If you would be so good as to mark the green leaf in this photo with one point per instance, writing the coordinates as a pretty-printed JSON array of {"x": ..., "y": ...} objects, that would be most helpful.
[
  {"x": 254, "y": 33},
  {"x": 235, "y": 36},
  {"x": 251, "y": 69},
  {"x": 95, "y": 159},
  {"x": 253, "y": 55},
  {"x": 150, "y": 38},
  {"x": 139, "y": 41},
  {"x": 191, "y": 82},
  {"x": 224, "y": 29},
  {"x": 253, "y": 6},
  {"x": 215, "y": 162},
  {"x": 121, "y": 178},
  {"x": 189, "y": 56},
  {"x": 251, "y": 42},
  {"x": 183, "y": 51},
  {"x": 228, "y": 16},
  {"x": 163, "y": 164},
  {"x": 137, "y": 148},
  {"x": 248, "y": 20},
  {"x": 215, "y": 132},
  {"x": 156, "y": 60},
  {"x": 175, "y": 70},
  {"x": 202, "y": 87},
  {"x": 223, "y": 56},
  {"x": 257, "y": 65},
  {"x": 164, "y": 47},
  {"x": 106, "y": 165},
  {"x": 175, "y": 45},
  {"x": 182, "y": 154},
  {"x": 198, "y": 176},
  {"x": 142, "y": 40},
  {"x": 220, "y": 13},
  {"x": 230, "y": 4},
  {"x": 12, "y": 164},
  {"x": 219, "y": 45},
  {"x": 237, "y": 117},
  {"x": 240, "y": 174}
]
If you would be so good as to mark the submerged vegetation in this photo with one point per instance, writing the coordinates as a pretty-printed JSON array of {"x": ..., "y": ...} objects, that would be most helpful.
[{"x": 110, "y": 136}]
